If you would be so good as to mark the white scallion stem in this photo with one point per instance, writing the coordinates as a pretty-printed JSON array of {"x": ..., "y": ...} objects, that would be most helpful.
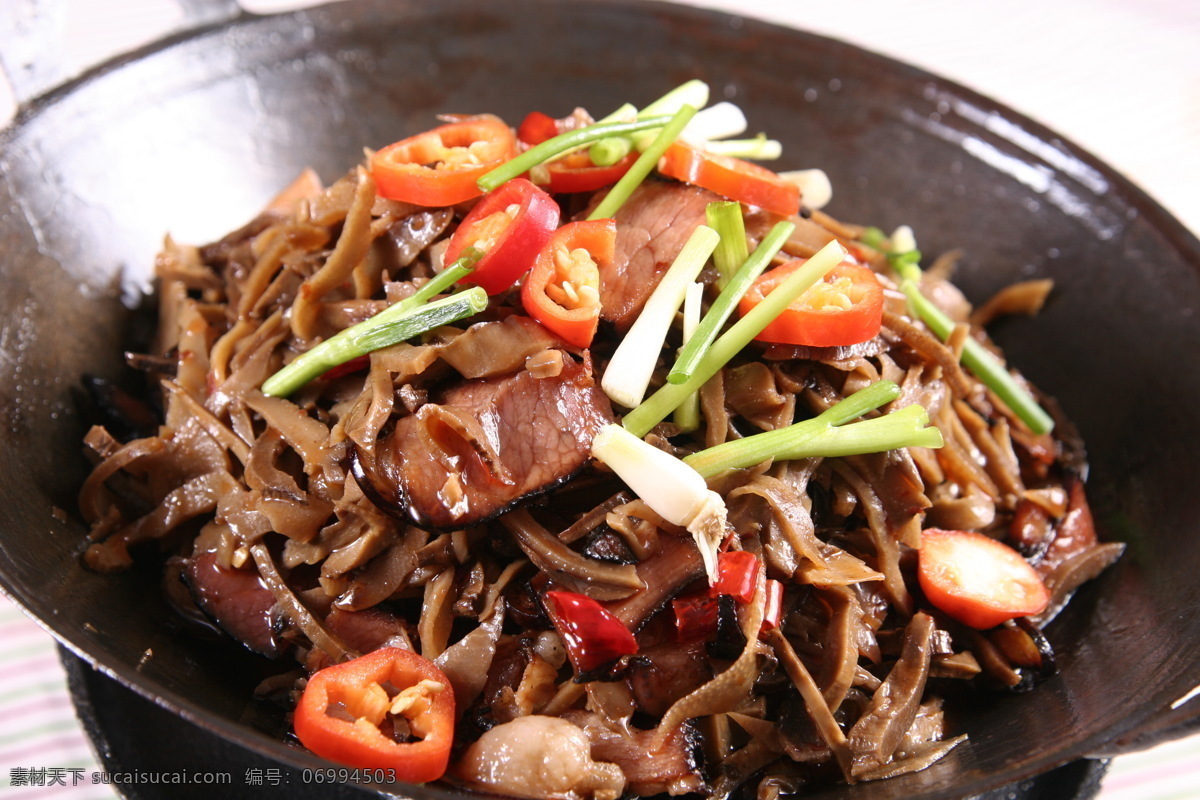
[
  {"x": 718, "y": 121},
  {"x": 675, "y": 491},
  {"x": 815, "y": 188},
  {"x": 759, "y": 148},
  {"x": 903, "y": 240},
  {"x": 692, "y": 93}
]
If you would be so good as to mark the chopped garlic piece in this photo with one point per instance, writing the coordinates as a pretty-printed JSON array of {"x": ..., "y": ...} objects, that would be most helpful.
[
  {"x": 903, "y": 240},
  {"x": 815, "y": 189}
]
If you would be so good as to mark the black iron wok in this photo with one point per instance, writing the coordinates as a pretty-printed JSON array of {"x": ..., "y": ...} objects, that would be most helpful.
[{"x": 192, "y": 135}]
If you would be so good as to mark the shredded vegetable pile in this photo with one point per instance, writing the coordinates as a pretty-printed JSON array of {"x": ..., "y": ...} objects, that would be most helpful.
[{"x": 588, "y": 459}]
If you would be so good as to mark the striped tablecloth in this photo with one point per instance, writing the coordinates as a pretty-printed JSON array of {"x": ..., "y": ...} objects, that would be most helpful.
[
  {"x": 44, "y": 752},
  {"x": 1125, "y": 84}
]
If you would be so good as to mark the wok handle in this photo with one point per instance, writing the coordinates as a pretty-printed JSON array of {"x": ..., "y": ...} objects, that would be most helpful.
[
  {"x": 1180, "y": 719},
  {"x": 34, "y": 43}
]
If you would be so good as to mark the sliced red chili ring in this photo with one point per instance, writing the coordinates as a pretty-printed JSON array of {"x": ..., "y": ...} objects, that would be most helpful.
[
  {"x": 440, "y": 166},
  {"x": 731, "y": 177},
  {"x": 562, "y": 291},
  {"x": 361, "y": 733},
  {"x": 845, "y": 308},
  {"x": 511, "y": 225},
  {"x": 576, "y": 173}
]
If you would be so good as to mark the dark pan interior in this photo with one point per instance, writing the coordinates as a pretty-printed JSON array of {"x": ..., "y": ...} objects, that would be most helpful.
[{"x": 193, "y": 136}]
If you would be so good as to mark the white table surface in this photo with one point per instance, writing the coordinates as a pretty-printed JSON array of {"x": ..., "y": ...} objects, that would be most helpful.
[{"x": 1121, "y": 78}]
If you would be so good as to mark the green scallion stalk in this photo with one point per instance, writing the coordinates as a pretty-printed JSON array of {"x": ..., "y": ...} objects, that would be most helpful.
[
  {"x": 981, "y": 362},
  {"x": 552, "y": 148},
  {"x": 760, "y": 447},
  {"x": 322, "y": 353},
  {"x": 426, "y": 318},
  {"x": 687, "y": 415},
  {"x": 902, "y": 253},
  {"x": 459, "y": 268},
  {"x": 727, "y": 300},
  {"x": 727, "y": 345},
  {"x": 725, "y": 217},
  {"x": 647, "y": 161},
  {"x": 607, "y": 152},
  {"x": 908, "y": 427},
  {"x": 906, "y": 259},
  {"x": 373, "y": 334},
  {"x": 876, "y": 239},
  {"x": 907, "y": 264},
  {"x": 827, "y": 434},
  {"x": 863, "y": 401},
  {"x": 612, "y": 149}
]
